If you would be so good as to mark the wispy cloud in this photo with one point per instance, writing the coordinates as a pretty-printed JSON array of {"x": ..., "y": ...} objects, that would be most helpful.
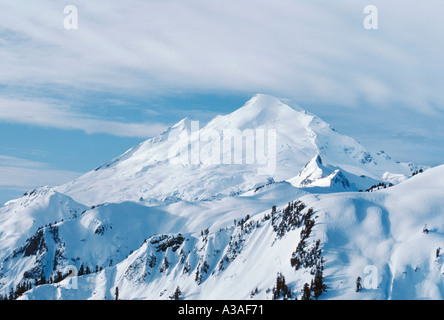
[
  {"x": 311, "y": 51},
  {"x": 22, "y": 174},
  {"x": 64, "y": 117},
  {"x": 315, "y": 53}
]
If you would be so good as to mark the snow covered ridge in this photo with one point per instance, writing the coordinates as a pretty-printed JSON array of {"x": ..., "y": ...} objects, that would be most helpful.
[
  {"x": 148, "y": 225},
  {"x": 263, "y": 139},
  {"x": 196, "y": 261}
]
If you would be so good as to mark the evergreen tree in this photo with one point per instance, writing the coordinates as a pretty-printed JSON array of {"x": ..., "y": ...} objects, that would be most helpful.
[
  {"x": 177, "y": 293},
  {"x": 21, "y": 289},
  {"x": 117, "y": 293},
  {"x": 254, "y": 292},
  {"x": 318, "y": 283},
  {"x": 58, "y": 277},
  {"x": 281, "y": 288},
  {"x": 358, "y": 284},
  {"x": 306, "y": 293},
  {"x": 81, "y": 270},
  {"x": 11, "y": 295}
]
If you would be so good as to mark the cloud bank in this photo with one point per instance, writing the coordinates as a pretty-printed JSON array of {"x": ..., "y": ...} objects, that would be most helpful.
[
  {"x": 22, "y": 174},
  {"x": 313, "y": 51},
  {"x": 63, "y": 117}
]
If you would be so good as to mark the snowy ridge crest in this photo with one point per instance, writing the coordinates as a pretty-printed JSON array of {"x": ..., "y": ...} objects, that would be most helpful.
[{"x": 152, "y": 225}]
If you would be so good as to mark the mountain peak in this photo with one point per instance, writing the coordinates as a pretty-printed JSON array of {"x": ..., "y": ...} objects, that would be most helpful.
[
  {"x": 265, "y": 102},
  {"x": 182, "y": 123},
  {"x": 180, "y": 163},
  {"x": 262, "y": 111},
  {"x": 179, "y": 126},
  {"x": 318, "y": 159},
  {"x": 318, "y": 174}
]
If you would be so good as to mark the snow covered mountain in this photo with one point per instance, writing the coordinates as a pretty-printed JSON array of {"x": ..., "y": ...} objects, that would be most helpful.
[
  {"x": 191, "y": 163},
  {"x": 157, "y": 219},
  {"x": 315, "y": 175}
]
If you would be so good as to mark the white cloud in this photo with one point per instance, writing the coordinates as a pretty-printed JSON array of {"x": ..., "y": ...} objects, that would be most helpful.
[
  {"x": 63, "y": 117},
  {"x": 315, "y": 53},
  {"x": 22, "y": 174},
  {"x": 310, "y": 51}
]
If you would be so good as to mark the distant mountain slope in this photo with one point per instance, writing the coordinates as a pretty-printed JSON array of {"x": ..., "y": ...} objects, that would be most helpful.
[
  {"x": 191, "y": 163},
  {"x": 20, "y": 218},
  {"x": 317, "y": 176}
]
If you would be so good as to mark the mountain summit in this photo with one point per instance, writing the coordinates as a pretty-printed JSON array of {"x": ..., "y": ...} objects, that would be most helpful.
[
  {"x": 229, "y": 156},
  {"x": 258, "y": 204}
]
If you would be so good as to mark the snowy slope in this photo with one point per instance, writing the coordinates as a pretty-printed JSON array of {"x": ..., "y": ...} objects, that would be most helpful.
[
  {"x": 20, "y": 218},
  {"x": 106, "y": 234},
  {"x": 361, "y": 234},
  {"x": 160, "y": 169},
  {"x": 317, "y": 176},
  {"x": 152, "y": 220},
  {"x": 384, "y": 229}
]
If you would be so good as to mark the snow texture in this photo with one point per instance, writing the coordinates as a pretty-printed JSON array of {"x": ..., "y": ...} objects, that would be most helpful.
[{"x": 149, "y": 221}]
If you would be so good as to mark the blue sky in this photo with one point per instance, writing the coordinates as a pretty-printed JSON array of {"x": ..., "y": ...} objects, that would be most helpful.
[{"x": 73, "y": 99}]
